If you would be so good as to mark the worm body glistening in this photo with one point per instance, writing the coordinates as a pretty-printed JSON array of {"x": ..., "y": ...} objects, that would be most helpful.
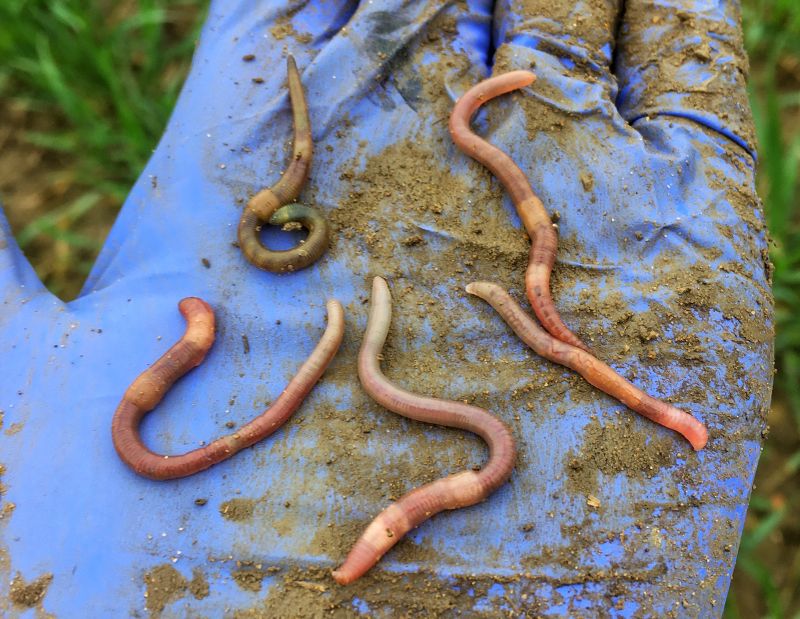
[
  {"x": 532, "y": 213},
  {"x": 458, "y": 490},
  {"x": 151, "y": 386}
]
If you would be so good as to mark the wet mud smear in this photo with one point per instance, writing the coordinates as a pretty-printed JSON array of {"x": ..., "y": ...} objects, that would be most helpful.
[
  {"x": 312, "y": 593},
  {"x": 29, "y": 594},
  {"x": 164, "y": 585},
  {"x": 248, "y": 576},
  {"x": 616, "y": 448},
  {"x": 238, "y": 510}
]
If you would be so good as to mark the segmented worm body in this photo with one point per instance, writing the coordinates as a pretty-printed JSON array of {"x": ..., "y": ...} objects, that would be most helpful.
[
  {"x": 273, "y": 205},
  {"x": 593, "y": 370},
  {"x": 151, "y": 386},
  {"x": 532, "y": 213},
  {"x": 459, "y": 490}
]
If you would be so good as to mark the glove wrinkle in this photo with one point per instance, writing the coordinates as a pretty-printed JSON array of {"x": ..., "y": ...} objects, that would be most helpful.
[
  {"x": 364, "y": 53},
  {"x": 686, "y": 62},
  {"x": 581, "y": 33}
]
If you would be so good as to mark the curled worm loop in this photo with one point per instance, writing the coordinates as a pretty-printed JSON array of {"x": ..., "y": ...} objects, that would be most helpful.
[
  {"x": 540, "y": 229},
  {"x": 592, "y": 369},
  {"x": 459, "y": 490},
  {"x": 274, "y": 205},
  {"x": 151, "y": 386}
]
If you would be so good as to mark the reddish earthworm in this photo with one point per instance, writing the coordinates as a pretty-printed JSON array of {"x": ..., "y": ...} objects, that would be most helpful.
[
  {"x": 149, "y": 388},
  {"x": 459, "y": 490},
  {"x": 593, "y": 370},
  {"x": 273, "y": 205},
  {"x": 540, "y": 229}
]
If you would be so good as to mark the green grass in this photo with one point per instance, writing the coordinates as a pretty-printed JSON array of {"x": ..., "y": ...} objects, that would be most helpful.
[
  {"x": 109, "y": 73},
  {"x": 772, "y": 37},
  {"x": 772, "y": 32}
]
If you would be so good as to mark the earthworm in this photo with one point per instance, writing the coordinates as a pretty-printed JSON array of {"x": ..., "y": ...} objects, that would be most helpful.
[
  {"x": 458, "y": 490},
  {"x": 540, "y": 229},
  {"x": 151, "y": 386},
  {"x": 262, "y": 207},
  {"x": 291, "y": 259},
  {"x": 592, "y": 369}
]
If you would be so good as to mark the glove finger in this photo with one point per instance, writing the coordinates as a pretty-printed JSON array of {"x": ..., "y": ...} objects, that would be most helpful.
[
  {"x": 248, "y": 64},
  {"x": 685, "y": 58},
  {"x": 570, "y": 46},
  {"x": 355, "y": 60},
  {"x": 300, "y": 25},
  {"x": 18, "y": 280},
  {"x": 401, "y": 53}
]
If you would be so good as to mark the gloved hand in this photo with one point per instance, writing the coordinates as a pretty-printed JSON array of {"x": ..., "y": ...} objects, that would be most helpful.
[{"x": 637, "y": 137}]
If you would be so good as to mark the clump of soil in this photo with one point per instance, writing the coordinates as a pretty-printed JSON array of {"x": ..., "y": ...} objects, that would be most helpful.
[
  {"x": 283, "y": 27},
  {"x": 29, "y": 594},
  {"x": 198, "y": 586},
  {"x": 616, "y": 448},
  {"x": 238, "y": 510},
  {"x": 249, "y": 576},
  {"x": 164, "y": 585}
]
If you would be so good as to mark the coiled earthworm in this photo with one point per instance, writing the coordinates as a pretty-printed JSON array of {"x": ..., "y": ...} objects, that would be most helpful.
[
  {"x": 151, "y": 386},
  {"x": 458, "y": 490},
  {"x": 593, "y": 370},
  {"x": 540, "y": 229},
  {"x": 262, "y": 207}
]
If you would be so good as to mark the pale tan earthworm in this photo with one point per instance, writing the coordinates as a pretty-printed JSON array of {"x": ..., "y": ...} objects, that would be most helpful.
[{"x": 459, "y": 490}]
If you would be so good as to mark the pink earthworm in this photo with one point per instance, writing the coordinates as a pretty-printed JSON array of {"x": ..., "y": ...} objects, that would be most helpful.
[
  {"x": 544, "y": 239},
  {"x": 151, "y": 386},
  {"x": 458, "y": 490},
  {"x": 593, "y": 370}
]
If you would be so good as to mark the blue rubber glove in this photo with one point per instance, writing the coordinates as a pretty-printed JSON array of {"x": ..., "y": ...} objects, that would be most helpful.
[{"x": 637, "y": 134}]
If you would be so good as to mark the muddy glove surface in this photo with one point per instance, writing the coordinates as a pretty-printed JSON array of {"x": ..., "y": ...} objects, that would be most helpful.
[{"x": 638, "y": 139}]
